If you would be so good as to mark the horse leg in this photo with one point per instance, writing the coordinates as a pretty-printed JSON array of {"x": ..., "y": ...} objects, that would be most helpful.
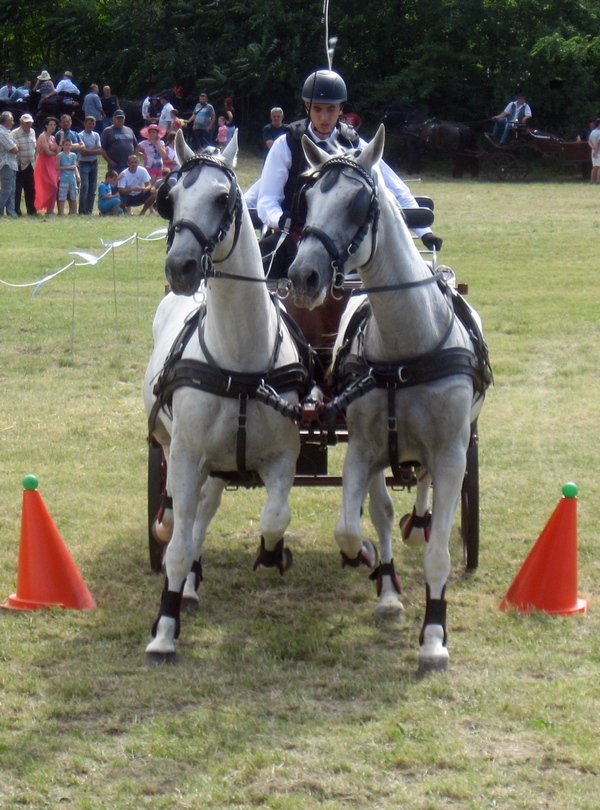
[
  {"x": 210, "y": 500},
  {"x": 275, "y": 516},
  {"x": 433, "y": 655},
  {"x": 356, "y": 552},
  {"x": 163, "y": 525},
  {"x": 186, "y": 483},
  {"x": 415, "y": 528},
  {"x": 381, "y": 511}
]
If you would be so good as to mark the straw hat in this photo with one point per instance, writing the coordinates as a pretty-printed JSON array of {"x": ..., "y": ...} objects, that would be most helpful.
[{"x": 44, "y": 76}]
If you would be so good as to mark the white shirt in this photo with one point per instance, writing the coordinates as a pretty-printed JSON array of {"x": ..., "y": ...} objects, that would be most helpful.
[
  {"x": 128, "y": 179},
  {"x": 276, "y": 171},
  {"x": 165, "y": 119},
  {"x": 67, "y": 86},
  {"x": 517, "y": 112}
]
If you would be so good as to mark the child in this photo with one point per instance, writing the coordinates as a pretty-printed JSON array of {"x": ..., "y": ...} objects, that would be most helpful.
[
  {"x": 154, "y": 152},
  {"x": 175, "y": 120},
  {"x": 108, "y": 195},
  {"x": 68, "y": 179},
  {"x": 222, "y": 133},
  {"x": 170, "y": 162}
]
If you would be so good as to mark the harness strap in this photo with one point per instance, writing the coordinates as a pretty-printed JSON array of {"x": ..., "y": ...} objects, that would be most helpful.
[{"x": 240, "y": 442}]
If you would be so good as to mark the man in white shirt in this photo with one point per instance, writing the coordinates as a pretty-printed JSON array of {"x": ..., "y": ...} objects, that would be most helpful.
[
  {"x": 516, "y": 112},
  {"x": 135, "y": 187},
  {"x": 165, "y": 121},
  {"x": 67, "y": 89},
  {"x": 594, "y": 142},
  {"x": 324, "y": 93}
]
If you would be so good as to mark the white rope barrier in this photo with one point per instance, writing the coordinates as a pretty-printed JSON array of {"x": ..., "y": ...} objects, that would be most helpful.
[{"x": 89, "y": 260}]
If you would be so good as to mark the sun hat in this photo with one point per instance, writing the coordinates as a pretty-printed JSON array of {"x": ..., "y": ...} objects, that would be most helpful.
[
  {"x": 27, "y": 118},
  {"x": 162, "y": 131},
  {"x": 44, "y": 76},
  {"x": 68, "y": 73}
]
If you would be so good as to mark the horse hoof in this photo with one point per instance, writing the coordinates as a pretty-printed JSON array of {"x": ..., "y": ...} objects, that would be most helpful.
[
  {"x": 415, "y": 530},
  {"x": 427, "y": 666},
  {"x": 287, "y": 560},
  {"x": 157, "y": 659},
  {"x": 189, "y": 604},
  {"x": 389, "y": 611}
]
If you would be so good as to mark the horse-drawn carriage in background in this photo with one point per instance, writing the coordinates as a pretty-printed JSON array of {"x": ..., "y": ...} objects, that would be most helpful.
[{"x": 507, "y": 163}]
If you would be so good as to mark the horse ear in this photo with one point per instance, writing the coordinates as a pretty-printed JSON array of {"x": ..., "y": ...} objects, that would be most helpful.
[
  {"x": 231, "y": 150},
  {"x": 373, "y": 152},
  {"x": 182, "y": 150},
  {"x": 316, "y": 157}
]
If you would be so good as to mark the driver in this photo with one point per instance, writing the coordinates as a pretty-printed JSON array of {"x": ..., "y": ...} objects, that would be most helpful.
[{"x": 324, "y": 94}]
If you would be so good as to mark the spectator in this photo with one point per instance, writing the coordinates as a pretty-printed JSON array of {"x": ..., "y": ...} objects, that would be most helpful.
[
  {"x": 92, "y": 106},
  {"x": 516, "y": 113},
  {"x": 88, "y": 165},
  {"x": 25, "y": 89},
  {"x": 109, "y": 103},
  {"x": 273, "y": 130},
  {"x": 68, "y": 178},
  {"x": 594, "y": 142},
  {"x": 202, "y": 120},
  {"x": 67, "y": 89},
  {"x": 24, "y": 137},
  {"x": 584, "y": 132},
  {"x": 109, "y": 199},
  {"x": 66, "y": 131},
  {"x": 118, "y": 143},
  {"x": 165, "y": 121},
  {"x": 351, "y": 118},
  {"x": 221, "y": 133},
  {"x": 175, "y": 121},
  {"x": 229, "y": 116},
  {"x": 170, "y": 161},
  {"x": 134, "y": 187},
  {"x": 154, "y": 152},
  {"x": 45, "y": 87},
  {"x": 8, "y": 165},
  {"x": 11, "y": 93},
  {"x": 152, "y": 111},
  {"x": 45, "y": 174}
]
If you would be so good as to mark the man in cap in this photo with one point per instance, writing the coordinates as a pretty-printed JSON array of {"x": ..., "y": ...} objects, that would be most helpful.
[
  {"x": 118, "y": 143},
  {"x": 24, "y": 137},
  {"x": 516, "y": 113},
  {"x": 8, "y": 165},
  {"x": 67, "y": 89},
  {"x": 323, "y": 93}
]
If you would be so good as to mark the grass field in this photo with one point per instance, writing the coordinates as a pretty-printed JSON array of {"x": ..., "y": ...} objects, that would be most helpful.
[{"x": 288, "y": 695}]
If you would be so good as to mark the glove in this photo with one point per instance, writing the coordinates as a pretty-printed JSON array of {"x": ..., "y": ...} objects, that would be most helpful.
[
  {"x": 430, "y": 240},
  {"x": 285, "y": 220}
]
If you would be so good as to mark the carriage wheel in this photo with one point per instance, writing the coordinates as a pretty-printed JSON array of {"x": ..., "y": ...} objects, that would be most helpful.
[
  {"x": 156, "y": 485},
  {"x": 506, "y": 167},
  {"x": 469, "y": 500}
]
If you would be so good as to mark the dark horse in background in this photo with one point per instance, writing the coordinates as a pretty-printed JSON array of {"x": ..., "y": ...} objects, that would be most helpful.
[{"x": 421, "y": 132}]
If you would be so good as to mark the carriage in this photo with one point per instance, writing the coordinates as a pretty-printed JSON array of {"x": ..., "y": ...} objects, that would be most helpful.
[
  {"x": 511, "y": 162},
  {"x": 313, "y": 468}
]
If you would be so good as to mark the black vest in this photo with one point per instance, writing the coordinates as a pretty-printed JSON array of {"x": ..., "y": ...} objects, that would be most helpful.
[{"x": 346, "y": 136}]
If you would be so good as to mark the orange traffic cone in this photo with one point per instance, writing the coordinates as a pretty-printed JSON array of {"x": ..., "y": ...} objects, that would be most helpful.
[
  {"x": 47, "y": 575},
  {"x": 548, "y": 579}
]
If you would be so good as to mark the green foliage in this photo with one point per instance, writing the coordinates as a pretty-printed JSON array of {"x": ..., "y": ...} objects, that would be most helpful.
[{"x": 458, "y": 59}]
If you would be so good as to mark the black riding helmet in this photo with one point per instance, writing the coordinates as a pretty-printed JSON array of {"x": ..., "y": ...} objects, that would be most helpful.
[{"x": 324, "y": 86}]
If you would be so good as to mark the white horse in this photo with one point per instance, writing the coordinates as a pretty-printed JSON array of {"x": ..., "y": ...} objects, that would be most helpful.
[
  {"x": 412, "y": 376},
  {"x": 228, "y": 390}
]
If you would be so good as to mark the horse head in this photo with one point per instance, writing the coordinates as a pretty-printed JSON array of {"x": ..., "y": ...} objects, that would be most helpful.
[
  {"x": 204, "y": 209},
  {"x": 345, "y": 197}
]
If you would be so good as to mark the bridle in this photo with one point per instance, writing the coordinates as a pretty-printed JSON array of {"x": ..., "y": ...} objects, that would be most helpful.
[
  {"x": 364, "y": 213},
  {"x": 189, "y": 174}
]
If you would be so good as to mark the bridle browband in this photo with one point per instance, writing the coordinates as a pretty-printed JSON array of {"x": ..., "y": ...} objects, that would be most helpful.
[
  {"x": 371, "y": 218},
  {"x": 233, "y": 215}
]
